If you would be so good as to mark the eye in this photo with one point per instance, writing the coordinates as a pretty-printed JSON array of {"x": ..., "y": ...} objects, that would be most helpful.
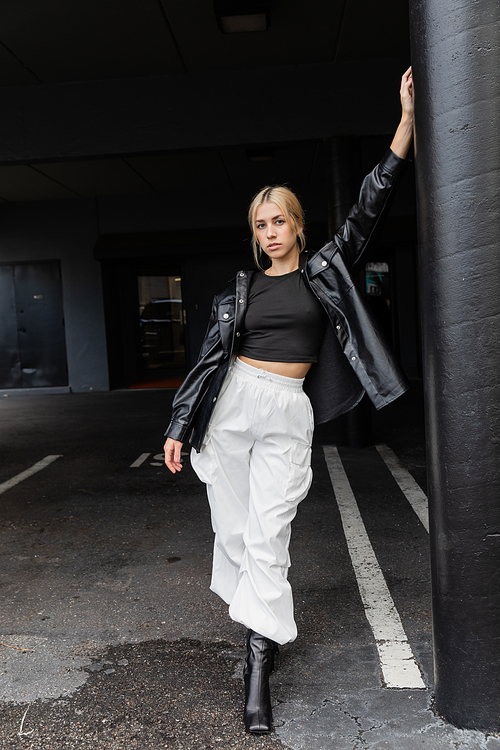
[
  {"x": 260, "y": 226},
  {"x": 280, "y": 221}
]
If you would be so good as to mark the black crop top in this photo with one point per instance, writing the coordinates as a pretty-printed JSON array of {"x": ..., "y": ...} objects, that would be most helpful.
[{"x": 284, "y": 321}]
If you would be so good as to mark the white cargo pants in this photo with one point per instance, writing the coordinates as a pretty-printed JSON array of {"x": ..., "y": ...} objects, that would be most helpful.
[{"x": 256, "y": 463}]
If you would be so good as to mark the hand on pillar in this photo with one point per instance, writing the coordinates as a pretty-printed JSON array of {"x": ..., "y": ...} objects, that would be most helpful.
[
  {"x": 404, "y": 134},
  {"x": 406, "y": 93}
]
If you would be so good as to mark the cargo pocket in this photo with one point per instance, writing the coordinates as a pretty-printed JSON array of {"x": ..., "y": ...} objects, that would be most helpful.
[
  {"x": 204, "y": 462},
  {"x": 300, "y": 472},
  {"x": 218, "y": 412}
]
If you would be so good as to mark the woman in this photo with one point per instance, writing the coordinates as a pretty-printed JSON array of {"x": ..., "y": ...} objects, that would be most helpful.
[{"x": 298, "y": 320}]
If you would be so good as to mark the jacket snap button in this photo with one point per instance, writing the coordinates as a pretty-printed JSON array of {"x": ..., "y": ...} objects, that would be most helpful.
[
  {"x": 242, "y": 273},
  {"x": 324, "y": 263},
  {"x": 338, "y": 328},
  {"x": 240, "y": 301},
  {"x": 353, "y": 358},
  {"x": 225, "y": 315},
  {"x": 237, "y": 333},
  {"x": 214, "y": 399}
]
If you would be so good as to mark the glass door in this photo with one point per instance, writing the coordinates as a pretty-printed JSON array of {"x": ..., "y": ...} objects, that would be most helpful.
[{"x": 162, "y": 321}]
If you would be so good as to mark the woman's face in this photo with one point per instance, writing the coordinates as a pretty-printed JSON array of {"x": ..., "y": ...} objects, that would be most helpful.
[{"x": 274, "y": 233}]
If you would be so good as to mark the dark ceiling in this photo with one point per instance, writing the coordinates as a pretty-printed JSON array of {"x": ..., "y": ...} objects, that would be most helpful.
[{"x": 44, "y": 42}]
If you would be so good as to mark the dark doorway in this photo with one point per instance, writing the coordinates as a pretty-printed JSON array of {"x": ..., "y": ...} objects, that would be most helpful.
[
  {"x": 32, "y": 338},
  {"x": 390, "y": 287},
  {"x": 379, "y": 293},
  {"x": 145, "y": 322},
  {"x": 162, "y": 321}
]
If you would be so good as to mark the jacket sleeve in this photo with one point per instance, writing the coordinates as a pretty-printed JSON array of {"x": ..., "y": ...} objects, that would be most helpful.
[
  {"x": 365, "y": 217},
  {"x": 194, "y": 387}
]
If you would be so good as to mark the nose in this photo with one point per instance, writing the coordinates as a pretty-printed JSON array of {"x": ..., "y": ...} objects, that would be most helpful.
[{"x": 271, "y": 232}]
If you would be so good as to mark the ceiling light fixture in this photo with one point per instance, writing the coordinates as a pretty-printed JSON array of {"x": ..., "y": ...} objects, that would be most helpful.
[
  {"x": 236, "y": 16},
  {"x": 259, "y": 154}
]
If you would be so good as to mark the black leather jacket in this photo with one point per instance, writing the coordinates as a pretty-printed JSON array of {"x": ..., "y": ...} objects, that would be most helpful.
[{"x": 354, "y": 356}]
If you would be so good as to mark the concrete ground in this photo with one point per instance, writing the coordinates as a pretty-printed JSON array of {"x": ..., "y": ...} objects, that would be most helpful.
[{"x": 110, "y": 636}]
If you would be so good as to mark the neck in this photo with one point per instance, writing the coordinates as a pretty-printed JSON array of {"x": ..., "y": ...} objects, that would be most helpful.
[{"x": 281, "y": 266}]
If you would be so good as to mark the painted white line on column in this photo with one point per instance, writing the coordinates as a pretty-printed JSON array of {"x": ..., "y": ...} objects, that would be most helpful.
[
  {"x": 399, "y": 667},
  {"x": 139, "y": 461},
  {"x": 412, "y": 491},
  {"x": 27, "y": 473}
]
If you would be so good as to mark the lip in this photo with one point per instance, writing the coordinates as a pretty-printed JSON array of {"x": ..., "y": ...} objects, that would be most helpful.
[{"x": 274, "y": 245}]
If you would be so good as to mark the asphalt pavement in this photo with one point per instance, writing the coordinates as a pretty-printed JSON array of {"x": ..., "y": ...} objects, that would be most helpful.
[{"x": 110, "y": 637}]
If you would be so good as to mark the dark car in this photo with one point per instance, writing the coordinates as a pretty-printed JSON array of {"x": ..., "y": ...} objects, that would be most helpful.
[{"x": 162, "y": 333}]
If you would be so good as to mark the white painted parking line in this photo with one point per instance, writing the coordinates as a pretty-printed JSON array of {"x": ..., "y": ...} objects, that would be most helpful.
[
  {"x": 139, "y": 461},
  {"x": 399, "y": 667},
  {"x": 412, "y": 491},
  {"x": 158, "y": 459},
  {"x": 27, "y": 473}
]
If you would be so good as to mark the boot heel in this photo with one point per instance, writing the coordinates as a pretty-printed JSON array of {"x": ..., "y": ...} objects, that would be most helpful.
[{"x": 259, "y": 664}]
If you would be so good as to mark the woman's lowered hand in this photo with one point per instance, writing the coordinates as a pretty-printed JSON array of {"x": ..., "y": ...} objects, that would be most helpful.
[{"x": 172, "y": 450}]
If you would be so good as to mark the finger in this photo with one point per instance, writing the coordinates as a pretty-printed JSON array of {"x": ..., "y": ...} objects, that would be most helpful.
[
  {"x": 169, "y": 458},
  {"x": 173, "y": 457},
  {"x": 406, "y": 80},
  {"x": 172, "y": 465},
  {"x": 406, "y": 91},
  {"x": 177, "y": 453}
]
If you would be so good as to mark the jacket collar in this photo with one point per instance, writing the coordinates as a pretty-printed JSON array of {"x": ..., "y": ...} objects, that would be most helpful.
[{"x": 320, "y": 260}]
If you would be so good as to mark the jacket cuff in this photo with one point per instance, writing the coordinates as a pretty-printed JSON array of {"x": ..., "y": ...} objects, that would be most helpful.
[
  {"x": 392, "y": 162},
  {"x": 176, "y": 431}
]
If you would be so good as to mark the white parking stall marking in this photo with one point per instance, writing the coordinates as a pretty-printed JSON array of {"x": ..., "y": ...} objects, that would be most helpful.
[
  {"x": 158, "y": 459},
  {"x": 399, "y": 667},
  {"x": 139, "y": 461},
  {"x": 28, "y": 473},
  {"x": 412, "y": 491}
]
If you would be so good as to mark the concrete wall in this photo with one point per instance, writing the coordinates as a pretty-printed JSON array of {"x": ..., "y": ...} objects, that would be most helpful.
[{"x": 65, "y": 231}]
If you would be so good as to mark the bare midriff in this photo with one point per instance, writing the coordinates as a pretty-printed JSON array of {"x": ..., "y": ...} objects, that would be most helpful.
[{"x": 288, "y": 369}]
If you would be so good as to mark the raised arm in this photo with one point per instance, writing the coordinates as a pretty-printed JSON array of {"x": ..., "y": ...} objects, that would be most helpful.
[
  {"x": 404, "y": 134},
  {"x": 366, "y": 216}
]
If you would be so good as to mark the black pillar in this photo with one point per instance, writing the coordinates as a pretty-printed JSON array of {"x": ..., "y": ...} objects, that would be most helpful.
[
  {"x": 456, "y": 66},
  {"x": 353, "y": 429}
]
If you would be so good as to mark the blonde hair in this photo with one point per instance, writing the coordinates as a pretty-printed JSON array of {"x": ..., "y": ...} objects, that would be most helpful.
[{"x": 290, "y": 207}]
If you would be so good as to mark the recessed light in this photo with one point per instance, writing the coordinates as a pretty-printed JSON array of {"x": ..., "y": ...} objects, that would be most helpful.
[
  {"x": 259, "y": 154},
  {"x": 237, "y": 16}
]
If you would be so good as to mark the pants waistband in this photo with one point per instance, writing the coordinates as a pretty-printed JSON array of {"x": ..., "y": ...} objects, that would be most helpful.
[{"x": 281, "y": 381}]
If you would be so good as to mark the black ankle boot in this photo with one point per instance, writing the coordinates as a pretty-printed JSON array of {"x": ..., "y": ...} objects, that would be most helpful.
[{"x": 259, "y": 664}]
